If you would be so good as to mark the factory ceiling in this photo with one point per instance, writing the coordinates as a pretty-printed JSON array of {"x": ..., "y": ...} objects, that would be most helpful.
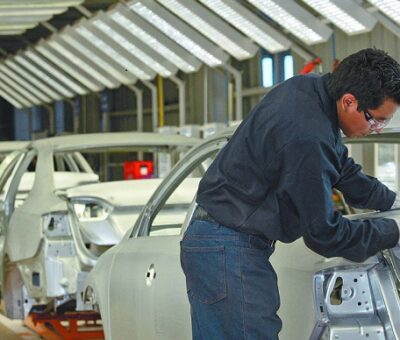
[{"x": 57, "y": 49}]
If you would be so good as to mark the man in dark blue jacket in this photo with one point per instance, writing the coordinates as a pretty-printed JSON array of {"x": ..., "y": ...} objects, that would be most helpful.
[{"x": 273, "y": 182}]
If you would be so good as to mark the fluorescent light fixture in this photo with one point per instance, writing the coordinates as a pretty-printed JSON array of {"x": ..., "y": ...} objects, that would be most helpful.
[
  {"x": 38, "y": 3},
  {"x": 251, "y": 25},
  {"x": 22, "y": 11},
  {"x": 141, "y": 29},
  {"x": 389, "y": 7},
  {"x": 25, "y": 83},
  {"x": 16, "y": 26},
  {"x": 82, "y": 61},
  {"x": 98, "y": 56},
  {"x": 347, "y": 15},
  {"x": 35, "y": 57},
  {"x": 43, "y": 76},
  {"x": 295, "y": 19},
  {"x": 33, "y": 80},
  {"x": 15, "y": 96},
  {"x": 213, "y": 27},
  {"x": 135, "y": 46},
  {"x": 18, "y": 89},
  {"x": 114, "y": 50},
  {"x": 23, "y": 19},
  {"x": 76, "y": 72},
  {"x": 11, "y": 32},
  {"x": 9, "y": 98},
  {"x": 180, "y": 32}
]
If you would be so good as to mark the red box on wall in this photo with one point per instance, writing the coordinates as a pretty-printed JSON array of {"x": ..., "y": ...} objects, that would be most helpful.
[{"x": 138, "y": 169}]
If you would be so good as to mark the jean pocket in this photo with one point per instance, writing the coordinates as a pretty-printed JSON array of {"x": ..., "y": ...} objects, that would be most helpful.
[{"x": 204, "y": 268}]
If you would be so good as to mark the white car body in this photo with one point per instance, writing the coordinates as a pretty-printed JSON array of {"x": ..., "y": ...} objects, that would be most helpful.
[
  {"x": 7, "y": 147},
  {"x": 46, "y": 250},
  {"x": 139, "y": 287}
]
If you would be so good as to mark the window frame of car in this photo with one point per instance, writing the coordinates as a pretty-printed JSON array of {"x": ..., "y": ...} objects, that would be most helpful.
[
  {"x": 181, "y": 170},
  {"x": 17, "y": 174},
  {"x": 190, "y": 162},
  {"x": 7, "y": 165}
]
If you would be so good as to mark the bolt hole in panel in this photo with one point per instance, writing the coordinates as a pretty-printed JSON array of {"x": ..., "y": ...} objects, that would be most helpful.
[
  {"x": 349, "y": 293},
  {"x": 56, "y": 225},
  {"x": 344, "y": 304}
]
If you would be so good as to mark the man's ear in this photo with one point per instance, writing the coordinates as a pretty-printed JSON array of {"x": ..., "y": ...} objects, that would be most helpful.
[{"x": 349, "y": 103}]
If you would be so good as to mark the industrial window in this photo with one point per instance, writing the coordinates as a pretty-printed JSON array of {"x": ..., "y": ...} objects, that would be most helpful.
[
  {"x": 288, "y": 67},
  {"x": 267, "y": 71},
  {"x": 276, "y": 68},
  {"x": 386, "y": 168}
]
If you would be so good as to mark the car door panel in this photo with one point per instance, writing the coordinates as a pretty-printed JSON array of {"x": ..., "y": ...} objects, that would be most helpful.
[
  {"x": 160, "y": 303},
  {"x": 131, "y": 301}
]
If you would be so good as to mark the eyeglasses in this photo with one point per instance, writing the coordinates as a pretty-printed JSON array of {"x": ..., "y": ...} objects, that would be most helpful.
[{"x": 375, "y": 124}]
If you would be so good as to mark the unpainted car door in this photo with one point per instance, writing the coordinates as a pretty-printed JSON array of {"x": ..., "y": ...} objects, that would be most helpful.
[
  {"x": 148, "y": 297},
  {"x": 147, "y": 280},
  {"x": 151, "y": 287}
]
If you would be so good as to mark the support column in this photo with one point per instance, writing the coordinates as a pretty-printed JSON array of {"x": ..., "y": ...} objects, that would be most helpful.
[
  {"x": 76, "y": 113},
  {"x": 205, "y": 90},
  {"x": 153, "y": 90},
  {"x": 139, "y": 106},
  {"x": 238, "y": 90},
  {"x": 21, "y": 124},
  {"x": 182, "y": 99},
  {"x": 59, "y": 116},
  {"x": 105, "y": 109}
]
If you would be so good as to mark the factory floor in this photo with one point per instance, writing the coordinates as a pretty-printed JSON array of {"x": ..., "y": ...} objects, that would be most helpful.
[{"x": 15, "y": 330}]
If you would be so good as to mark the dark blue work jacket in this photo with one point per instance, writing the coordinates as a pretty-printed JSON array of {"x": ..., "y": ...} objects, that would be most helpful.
[{"x": 276, "y": 174}]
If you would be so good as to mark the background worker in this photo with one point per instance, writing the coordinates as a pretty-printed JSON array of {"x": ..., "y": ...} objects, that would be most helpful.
[{"x": 273, "y": 182}]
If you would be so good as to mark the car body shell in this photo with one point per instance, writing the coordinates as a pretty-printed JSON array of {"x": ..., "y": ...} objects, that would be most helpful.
[
  {"x": 139, "y": 287},
  {"x": 41, "y": 238}
]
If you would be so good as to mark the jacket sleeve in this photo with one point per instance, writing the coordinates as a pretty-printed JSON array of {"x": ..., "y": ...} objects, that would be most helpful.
[
  {"x": 309, "y": 170},
  {"x": 360, "y": 190}
]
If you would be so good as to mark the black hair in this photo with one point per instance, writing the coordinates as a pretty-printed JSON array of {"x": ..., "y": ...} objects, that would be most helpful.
[{"x": 371, "y": 75}]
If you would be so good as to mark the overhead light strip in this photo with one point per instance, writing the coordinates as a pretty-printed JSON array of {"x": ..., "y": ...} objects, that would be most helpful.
[
  {"x": 295, "y": 19},
  {"x": 12, "y": 32},
  {"x": 32, "y": 79},
  {"x": 55, "y": 72},
  {"x": 146, "y": 38},
  {"x": 30, "y": 99},
  {"x": 16, "y": 96},
  {"x": 212, "y": 27},
  {"x": 120, "y": 55},
  {"x": 23, "y": 11},
  {"x": 148, "y": 34},
  {"x": 23, "y": 19},
  {"x": 391, "y": 8},
  {"x": 25, "y": 84},
  {"x": 16, "y": 26},
  {"x": 14, "y": 92},
  {"x": 81, "y": 61},
  {"x": 40, "y": 4},
  {"x": 251, "y": 25},
  {"x": 9, "y": 98},
  {"x": 44, "y": 77},
  {"x": 133, "y": 48},
  {"x": 180, "y": 32},
  {"x": 70, "y": 68},
  {"x": 348, "y": 16},
  {"x": 105, "y": 62}
]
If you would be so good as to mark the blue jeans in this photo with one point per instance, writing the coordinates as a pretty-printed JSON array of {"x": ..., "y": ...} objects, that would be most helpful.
[{"x": 231, "y": 284}]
